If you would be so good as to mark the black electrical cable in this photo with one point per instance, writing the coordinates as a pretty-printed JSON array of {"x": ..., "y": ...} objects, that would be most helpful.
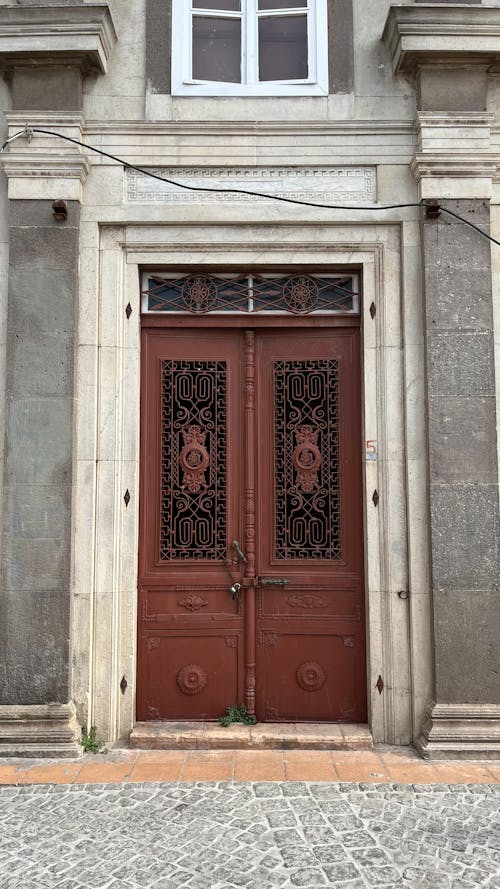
[{"x": 28, "y": 131}]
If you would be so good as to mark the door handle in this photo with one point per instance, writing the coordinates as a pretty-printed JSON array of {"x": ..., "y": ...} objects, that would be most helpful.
[
  {"x": 271, "y": 581},
  {"x": 239, "y": 552}
]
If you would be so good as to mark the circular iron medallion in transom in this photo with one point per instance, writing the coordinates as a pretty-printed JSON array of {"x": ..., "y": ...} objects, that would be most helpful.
[
  {"x": 199, "y": 294},
  {"x": 311, "y": 676},
  {"x": 191, "y": 679},
  {"x": 301, "y": 294}
]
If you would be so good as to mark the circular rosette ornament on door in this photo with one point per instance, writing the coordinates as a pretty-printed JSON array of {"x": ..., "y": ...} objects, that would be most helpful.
[
  {"x": 191, "y": 679},
  {"x": 311, "y": 676}
]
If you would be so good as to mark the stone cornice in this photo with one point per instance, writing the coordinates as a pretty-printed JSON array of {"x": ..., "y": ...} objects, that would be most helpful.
[
  {"x": 438, "y": 34},
  {"x": 82, "y": 35},
  {"x": 454, "y": 151},
  {"x": 33, "y": 168}
]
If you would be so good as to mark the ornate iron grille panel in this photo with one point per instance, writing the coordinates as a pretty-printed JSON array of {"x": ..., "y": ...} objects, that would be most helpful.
[
  {"x": 297, "y": 294},
  {"x": 307, "y": 494},
  {"x": 193, "y": 474}
]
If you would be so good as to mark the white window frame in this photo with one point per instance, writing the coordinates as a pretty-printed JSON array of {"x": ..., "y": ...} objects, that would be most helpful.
[{"x": 184, "y": 85}]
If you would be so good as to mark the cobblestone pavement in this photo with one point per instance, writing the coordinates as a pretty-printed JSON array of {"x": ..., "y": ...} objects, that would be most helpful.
[{"x": 262, "y": 835}]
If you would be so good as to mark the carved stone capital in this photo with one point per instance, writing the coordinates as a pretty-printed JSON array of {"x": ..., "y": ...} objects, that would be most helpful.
[
  {"x": 454, "y": 156},
  {"x": 43, "y": 730},
  {"x": 83, "y": 35},
  {"x": 44, "y": 167},
  {"x": 437, "y": 34},
  {"x": 464, "y": 731}
]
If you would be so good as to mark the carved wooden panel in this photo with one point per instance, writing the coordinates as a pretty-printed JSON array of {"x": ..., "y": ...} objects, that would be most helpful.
[
  {"x": 194, "y": 675},
  {"x": 311, "y": 676}
]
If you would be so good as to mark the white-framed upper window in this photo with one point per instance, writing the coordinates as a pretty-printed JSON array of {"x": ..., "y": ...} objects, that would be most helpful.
[{"x": 249, "y": 48}]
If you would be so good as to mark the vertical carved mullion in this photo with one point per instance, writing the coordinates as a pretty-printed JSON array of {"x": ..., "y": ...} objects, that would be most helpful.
[{"x": 249, "y": 516}]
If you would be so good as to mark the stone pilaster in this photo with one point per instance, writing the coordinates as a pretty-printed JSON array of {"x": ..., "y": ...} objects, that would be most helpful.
[
  {"x": 449, "y": 51},
  {"x": 45, "y": 52},
  {"x": 463, "y": 475}
]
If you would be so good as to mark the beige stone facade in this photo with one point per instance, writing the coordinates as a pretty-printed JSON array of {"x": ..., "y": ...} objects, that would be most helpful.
[{"x": 411, "y": 114}]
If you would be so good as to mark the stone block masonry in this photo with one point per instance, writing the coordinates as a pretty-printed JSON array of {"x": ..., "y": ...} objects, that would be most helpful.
[
  {"x": 35, "y": 601},
  {"x": 463, "y": 468}
]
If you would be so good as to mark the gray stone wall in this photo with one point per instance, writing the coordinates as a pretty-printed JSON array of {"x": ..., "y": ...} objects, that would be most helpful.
[
  {"x": 35, "y": 598},
  {"x": 463, "y": 456}
]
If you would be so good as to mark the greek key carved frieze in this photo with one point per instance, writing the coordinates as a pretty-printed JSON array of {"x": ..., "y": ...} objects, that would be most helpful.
[{"x": 356, "y": 185}]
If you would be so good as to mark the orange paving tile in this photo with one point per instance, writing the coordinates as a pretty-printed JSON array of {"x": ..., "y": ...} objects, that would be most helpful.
[
  {"x": 105, "y": 772},
  {"x": 58, "y": 773},
  {"x": 309, "y": 765},
  {"x": 146, "y": 756},
  {"x": 212, "y": 765},
  {"x": 164, "y": 767},
  {"x": 494, "y": 770},
  {"x": 463, "y": 772},
  {"x": 11, "y": 774},
  {"x": 362, "y": 766},
  {"x": 259, "y": 765},
  {"x": 386, "y": 764},
  {"x": 409, "y": 770}
]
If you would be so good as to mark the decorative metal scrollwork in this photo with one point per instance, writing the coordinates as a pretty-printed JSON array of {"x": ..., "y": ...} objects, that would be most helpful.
[
  {"x": 306, "y": 458},
  {"x": 311, "y": 676},
  {"x": 249, "y": 293},
  {"x": 199, "y": 294},
  {"x": 194, "y": 444},
  {"x": 191, "y": 679},
  {"x": 307, "y": 470},
  {"x": 301, "y": 294},
  {"x": 194, "y": 459}
]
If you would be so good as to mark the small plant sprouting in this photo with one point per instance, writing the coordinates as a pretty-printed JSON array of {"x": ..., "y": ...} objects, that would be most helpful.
[
  {"x": 237, "y": 714},
  {"x": 90, "y": 742}
]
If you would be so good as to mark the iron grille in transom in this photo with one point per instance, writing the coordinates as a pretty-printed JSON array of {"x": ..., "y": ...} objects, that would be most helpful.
[{"x": 298, "y": 294}]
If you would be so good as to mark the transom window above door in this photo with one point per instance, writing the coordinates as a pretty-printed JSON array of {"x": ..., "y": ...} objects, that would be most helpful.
[
  {"x": 200, "y": 293},
  {"x": 249, "y": 47}
]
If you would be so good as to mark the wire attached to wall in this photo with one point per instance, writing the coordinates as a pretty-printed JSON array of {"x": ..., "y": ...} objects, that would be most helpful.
[{"x": 28, "y": 133}]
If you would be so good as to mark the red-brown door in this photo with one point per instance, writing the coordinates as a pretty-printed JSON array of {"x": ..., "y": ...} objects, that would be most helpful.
[{"x": 251, "y": 545}]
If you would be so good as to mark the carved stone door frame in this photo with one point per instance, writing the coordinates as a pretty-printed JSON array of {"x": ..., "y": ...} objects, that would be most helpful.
[{"x": 107, "y": 449}]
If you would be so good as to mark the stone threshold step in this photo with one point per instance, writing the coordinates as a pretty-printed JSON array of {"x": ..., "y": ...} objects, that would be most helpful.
[{"x": 263, "y": 736}]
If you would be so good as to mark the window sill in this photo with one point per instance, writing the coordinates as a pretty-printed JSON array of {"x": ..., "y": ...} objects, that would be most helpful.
[{"x": 221, "y": 90}]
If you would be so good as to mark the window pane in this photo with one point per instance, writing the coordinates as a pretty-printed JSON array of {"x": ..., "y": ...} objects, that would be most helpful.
[
  {"x": 283, "y": 48},
  {"x": 216, "y": 49},
  {"x": 233, "y": 5},
  {"x": 282, "y": 4}
]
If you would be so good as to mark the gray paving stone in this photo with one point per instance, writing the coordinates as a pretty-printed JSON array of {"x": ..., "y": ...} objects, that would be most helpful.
[{"x": 261, "y": 836}]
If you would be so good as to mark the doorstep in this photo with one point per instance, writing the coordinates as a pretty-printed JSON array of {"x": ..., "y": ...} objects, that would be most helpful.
[{"x": 270, "y": 736}]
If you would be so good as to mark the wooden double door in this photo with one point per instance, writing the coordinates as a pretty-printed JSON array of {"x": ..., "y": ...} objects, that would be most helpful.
[{"x": 251, "y": 546}]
